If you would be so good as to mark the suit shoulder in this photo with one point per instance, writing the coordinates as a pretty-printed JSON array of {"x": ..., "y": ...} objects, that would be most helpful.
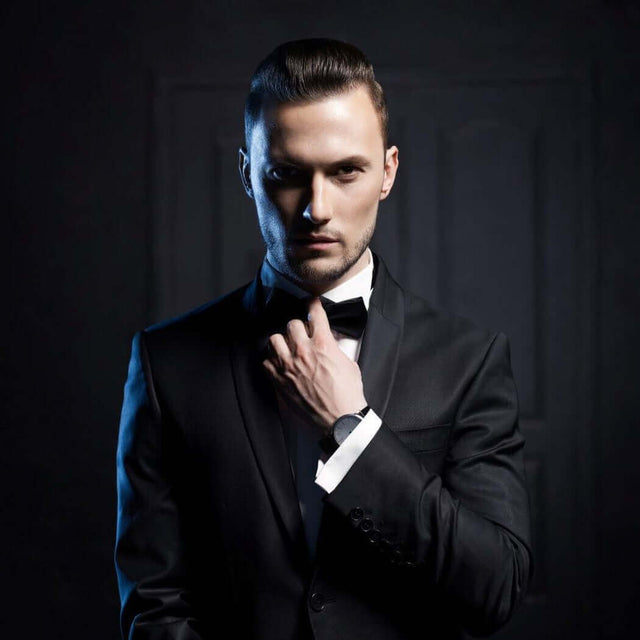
[
  {"x": 431, "y": 325},
  {"x": 219, "y": 317}
]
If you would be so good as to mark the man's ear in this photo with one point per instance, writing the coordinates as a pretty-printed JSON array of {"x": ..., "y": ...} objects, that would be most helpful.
[
  {"x": 390, "y": 170},
  {"x": 245, "y": 170}
]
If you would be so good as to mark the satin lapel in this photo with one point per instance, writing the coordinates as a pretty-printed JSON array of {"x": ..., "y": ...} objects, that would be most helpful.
[
  {"x": 259, "y": 408},
  {"x": 378, "y": 359}
]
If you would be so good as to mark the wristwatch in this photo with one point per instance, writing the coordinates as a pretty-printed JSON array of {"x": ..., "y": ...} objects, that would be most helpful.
[{"x": 341, "y": 428}]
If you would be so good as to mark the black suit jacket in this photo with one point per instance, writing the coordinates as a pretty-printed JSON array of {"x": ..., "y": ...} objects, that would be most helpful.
[{"x": 426, "y": 535}]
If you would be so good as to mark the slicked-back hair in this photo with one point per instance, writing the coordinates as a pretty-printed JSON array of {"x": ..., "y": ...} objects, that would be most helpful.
[{"x": 308, "y": 70}]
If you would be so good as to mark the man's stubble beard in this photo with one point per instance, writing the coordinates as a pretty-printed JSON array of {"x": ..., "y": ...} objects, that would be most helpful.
[{"x": 303, "y": 271}]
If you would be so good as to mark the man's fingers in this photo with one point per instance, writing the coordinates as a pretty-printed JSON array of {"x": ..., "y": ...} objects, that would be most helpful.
[
  {"x": 296, "y": 334},
  {"x": 270, "y": 367},
  {"x": 318, "y": 321},
  {"x": 280, "y": 354}
]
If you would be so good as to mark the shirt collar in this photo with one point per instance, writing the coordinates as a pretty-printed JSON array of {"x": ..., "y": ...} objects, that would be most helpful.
[{"x": 356, "y": 286}]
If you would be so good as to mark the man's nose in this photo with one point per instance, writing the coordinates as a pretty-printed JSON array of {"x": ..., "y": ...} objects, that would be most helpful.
[{"x": 318, "y": 209}]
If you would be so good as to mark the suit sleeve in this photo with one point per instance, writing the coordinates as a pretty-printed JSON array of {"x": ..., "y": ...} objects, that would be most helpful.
[
  {"x": 466, "y": 530},
  {"x": 149, "y": 547}
]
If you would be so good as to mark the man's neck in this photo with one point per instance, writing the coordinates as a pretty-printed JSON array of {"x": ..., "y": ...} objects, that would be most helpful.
[
  {"x": 322, "y": 289},
  {"x": 357, "y": 285}
]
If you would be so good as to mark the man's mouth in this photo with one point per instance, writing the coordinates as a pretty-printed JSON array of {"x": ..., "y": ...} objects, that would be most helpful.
[{"x": 314, "y": 241}]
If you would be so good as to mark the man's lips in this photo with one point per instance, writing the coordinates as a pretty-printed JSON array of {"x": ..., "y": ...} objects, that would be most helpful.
[{"x": 315, "y": 242}]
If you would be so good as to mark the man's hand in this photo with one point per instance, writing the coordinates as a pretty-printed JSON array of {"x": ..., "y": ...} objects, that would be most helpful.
[{"x": 312, "y": 373}]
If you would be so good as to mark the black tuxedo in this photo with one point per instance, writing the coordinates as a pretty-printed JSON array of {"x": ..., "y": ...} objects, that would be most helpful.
[{"x": 428, "y": 532}]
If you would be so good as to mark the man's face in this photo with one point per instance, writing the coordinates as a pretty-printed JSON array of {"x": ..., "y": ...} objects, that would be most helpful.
[{"x": 317, "y": 172}]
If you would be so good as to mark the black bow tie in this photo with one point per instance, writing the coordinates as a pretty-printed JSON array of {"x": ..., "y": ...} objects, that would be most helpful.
[{"x": 348, "y": 317}]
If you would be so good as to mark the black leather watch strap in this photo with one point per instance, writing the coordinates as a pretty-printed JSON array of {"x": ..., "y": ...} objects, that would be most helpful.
[{"x": 363, "y": 412}]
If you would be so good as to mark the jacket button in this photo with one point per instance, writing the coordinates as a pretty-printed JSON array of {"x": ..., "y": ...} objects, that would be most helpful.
[
  {"x": 396, "y": 556},
  {"x": 317, "y": 602},
  {"x": 374, "y": 536},
  {"x": 366, "y": 524},
  {"x": 356, "y": 514}
]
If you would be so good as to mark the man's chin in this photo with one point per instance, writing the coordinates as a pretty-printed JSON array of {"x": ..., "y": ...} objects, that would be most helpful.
[{"x": 318, "y": 270}]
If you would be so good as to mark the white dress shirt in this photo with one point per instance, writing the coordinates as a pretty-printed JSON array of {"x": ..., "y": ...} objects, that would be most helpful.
[{"x": 313, "y": 478}]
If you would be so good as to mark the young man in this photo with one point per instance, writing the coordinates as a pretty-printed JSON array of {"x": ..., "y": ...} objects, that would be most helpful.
[{"x": 320, "y": 453}]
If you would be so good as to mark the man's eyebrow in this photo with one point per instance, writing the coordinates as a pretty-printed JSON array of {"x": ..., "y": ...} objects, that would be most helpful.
[
  {"x": 355, "y": 159},
  {"x": 288, "y": 160}
]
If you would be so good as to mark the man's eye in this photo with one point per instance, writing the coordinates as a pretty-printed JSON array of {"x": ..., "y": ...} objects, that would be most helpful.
[
  {"x": 347, "y": 170},
  {"x": 283, "y": 174}
]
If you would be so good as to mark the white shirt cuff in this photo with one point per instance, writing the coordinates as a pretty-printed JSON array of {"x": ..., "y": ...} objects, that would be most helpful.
[{"x": 330, "y": 473}]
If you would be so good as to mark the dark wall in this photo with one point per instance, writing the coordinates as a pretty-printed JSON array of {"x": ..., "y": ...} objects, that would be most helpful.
[
  {"x": 76, "y": 256},
  {"x": 618, "y": 429}
]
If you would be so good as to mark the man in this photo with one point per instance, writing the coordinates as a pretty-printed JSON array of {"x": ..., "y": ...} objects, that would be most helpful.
[{"x": 320, "y": 453}]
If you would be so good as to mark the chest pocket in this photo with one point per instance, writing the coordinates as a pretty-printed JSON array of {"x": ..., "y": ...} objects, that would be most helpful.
[{"x": 428, "y": 444}]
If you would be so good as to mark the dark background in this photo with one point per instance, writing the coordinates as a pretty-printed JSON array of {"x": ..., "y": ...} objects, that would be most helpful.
[{"x": 80, "y": 252}]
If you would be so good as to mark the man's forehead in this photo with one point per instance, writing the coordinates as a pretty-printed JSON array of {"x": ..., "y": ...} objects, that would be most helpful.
[{"x": 347, "y": 117}]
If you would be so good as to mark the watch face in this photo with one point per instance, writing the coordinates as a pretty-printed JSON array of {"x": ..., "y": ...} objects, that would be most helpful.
[{"x": 344, "y": 426}]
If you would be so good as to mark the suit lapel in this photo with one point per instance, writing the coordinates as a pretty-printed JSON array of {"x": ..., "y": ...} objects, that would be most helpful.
[
  {"x": 259, "y": 407},
  {"x": 377, "y": 360}
]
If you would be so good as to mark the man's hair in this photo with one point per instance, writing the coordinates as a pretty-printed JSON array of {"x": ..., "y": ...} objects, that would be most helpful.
[{"x": 308, "y": 70}]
